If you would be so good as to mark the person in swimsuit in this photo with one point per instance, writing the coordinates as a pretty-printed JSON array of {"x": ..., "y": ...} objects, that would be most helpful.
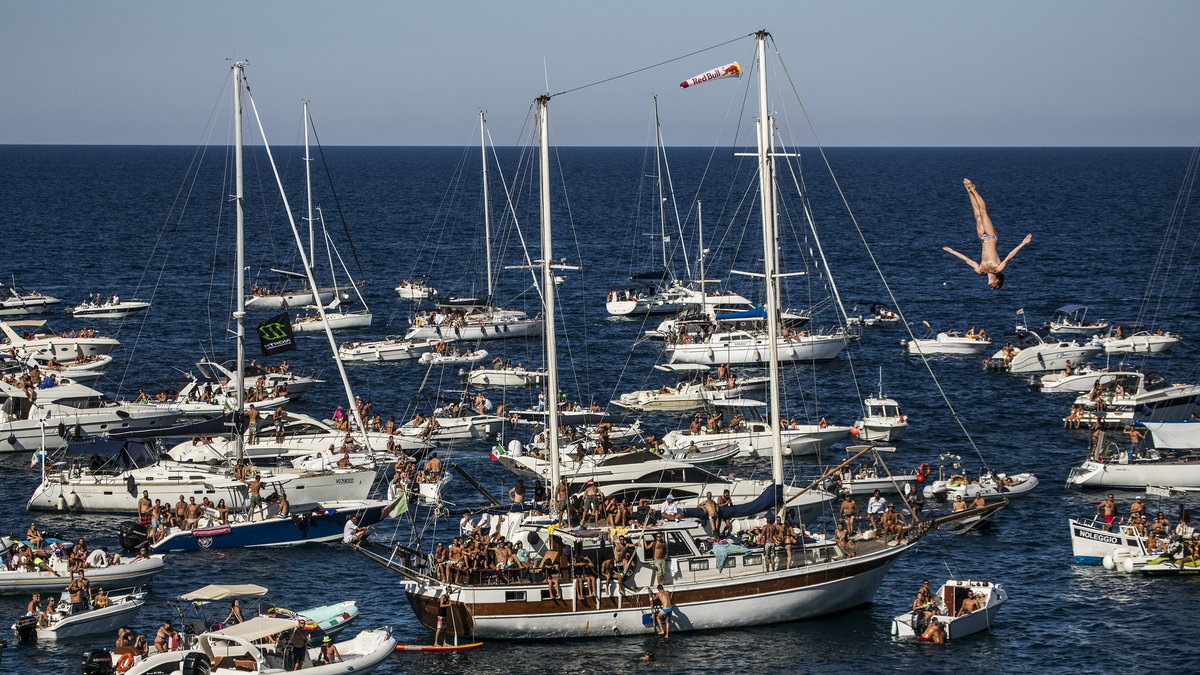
[
  {"x": 662, "y": 618},
  {"x": 989, "y": 258}
]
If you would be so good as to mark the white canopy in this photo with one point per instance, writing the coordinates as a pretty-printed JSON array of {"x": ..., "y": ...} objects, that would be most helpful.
[
  {"x": 220, "y": 592},
  {"x": 255, "y": 629},
  {"x": 1181, "y": 435}
]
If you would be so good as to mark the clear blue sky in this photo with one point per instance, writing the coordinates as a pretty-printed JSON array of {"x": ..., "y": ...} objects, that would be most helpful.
[{"x": 871, "y": 72}]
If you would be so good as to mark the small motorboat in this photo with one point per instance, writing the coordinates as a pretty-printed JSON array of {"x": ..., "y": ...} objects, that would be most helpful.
[
  {"x": 965, "y": 520},
  {"x": 946, "y": 605},
  {"x": 1072, "y": 320},
  {"x": 16, "y": 301},
  {"x": 990, "y": 486},
  {"x": 952, "y": 343},
  {"x": 867, "y": 478},
  {"x": 416, "y": 290},
  {"x": 1092, "y": 542},
  {"x": 882, "y": 419},
  {"x": 508, "y": 376},
  {"x": 111, "y": 307},
  {"x": 391, "y": 348},
  {"x": 62, "y": 624},
  {"x": 453, "y": 357},
  {"x": 127, "y": 573}
]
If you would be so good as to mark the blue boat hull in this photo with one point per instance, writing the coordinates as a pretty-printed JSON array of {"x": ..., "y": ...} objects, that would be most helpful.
[{"x": 290, "y": 531}]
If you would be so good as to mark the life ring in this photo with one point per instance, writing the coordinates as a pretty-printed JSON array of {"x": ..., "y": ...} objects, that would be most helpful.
[
  {"x": 923, "y": 470},
  {"x": 124, "y": 663}
]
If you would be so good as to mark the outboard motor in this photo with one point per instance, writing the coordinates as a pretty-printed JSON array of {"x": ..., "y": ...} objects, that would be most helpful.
[
  {"x": 133, "y": 535},
  {"x": 98, "y": 662},
  {"x": 195, "y": 663},
  {"x": 26, "y": 628}
]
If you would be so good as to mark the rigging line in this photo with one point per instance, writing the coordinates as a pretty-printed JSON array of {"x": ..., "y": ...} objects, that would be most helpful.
[
  {"x": 875, "y": 262},
  {"x": 650, "y": 67},
  {"x": 336, "y": 201}
]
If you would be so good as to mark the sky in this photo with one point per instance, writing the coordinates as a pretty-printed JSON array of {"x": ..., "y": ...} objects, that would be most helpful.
[{"x": 869, "y": 72}]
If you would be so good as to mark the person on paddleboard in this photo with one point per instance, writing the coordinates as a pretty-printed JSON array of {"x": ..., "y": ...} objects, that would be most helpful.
[{"x": 989, "y": 258}]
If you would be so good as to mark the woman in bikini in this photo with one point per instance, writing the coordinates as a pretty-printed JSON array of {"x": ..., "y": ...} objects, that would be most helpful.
[{"x": 989, "y": 258}]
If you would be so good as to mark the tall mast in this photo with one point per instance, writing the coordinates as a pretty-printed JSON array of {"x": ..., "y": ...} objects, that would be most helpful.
[
  {"x": 548, "y": 292},
  {"x": 662, "y": 198},
  {"x": 239, "y": 312},
  {"x": 766, "y": 177},
  {"x": 308, "y": 188},
  {"x": 487, "y": 215},
  {"x": 700, "y": 260}
]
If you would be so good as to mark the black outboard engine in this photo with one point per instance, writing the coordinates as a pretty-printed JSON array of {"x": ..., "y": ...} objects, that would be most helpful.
[
  {"x": 133, "y": 535},
  {"x": 98, "y": 662},
  {"x": 26, "y": 627},
  {"x": 195, "y": 663}
]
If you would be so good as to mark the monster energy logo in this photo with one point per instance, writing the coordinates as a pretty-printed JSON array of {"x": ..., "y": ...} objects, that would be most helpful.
[{"x": 275, "y": 335}]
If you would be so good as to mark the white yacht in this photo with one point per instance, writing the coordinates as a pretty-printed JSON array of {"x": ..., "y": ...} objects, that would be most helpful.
[
  {"x": 882, "y": 422},
  {"x": 66, "y": 410},
  {"x": 754, "y": 437},
  {"x": 107, "y": 308},
  {"x": 698, "y": 391},
  {"x": 42, "y": 342},
  {"x": 16, "y": 301},
  {"x": 1170, "y": 459},
  {"x": 506, "y": 376},
  {"x": 1073, "y": 381},
  {"x": 1135, "y": 395},
  {"x": 743, "y": 347},
  {"x": 390, "y": 348},
  {"x": 1036, "y": 351},
  {"x": 418, "y": 289},
  {"x": 948, "y": 342},
  {"x": 1140, "y": 342},
  {"x": 470, "y": 320}
]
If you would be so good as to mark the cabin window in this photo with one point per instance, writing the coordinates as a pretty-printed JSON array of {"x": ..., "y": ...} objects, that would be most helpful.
[
  {"x": 514, "y": 596},
  {"x": 545, "y": 594},
  {"x": 750, "y": 560},
  {"x": 697, "y": 565},
  {"x": 729, "y": 562},
  {"x": 679, "y": 547}
]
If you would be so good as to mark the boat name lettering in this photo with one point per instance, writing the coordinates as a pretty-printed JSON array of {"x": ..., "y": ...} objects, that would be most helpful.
[
  {"x": 345, "y": 481},
  {"x": 1096, "y": 536}
]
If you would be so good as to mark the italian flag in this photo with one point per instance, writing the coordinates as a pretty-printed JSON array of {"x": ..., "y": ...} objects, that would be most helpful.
[
  {"x": 496, "y": 453},
  {"x": 397, "y": 507}
]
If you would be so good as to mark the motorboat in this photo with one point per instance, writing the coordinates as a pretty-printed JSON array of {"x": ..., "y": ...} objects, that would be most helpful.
[
  {"x": 128, "y": 572},
  {"x": 1073, "y": 380},
  {"x": 1136, "y": 395},
  {"x": 63, "y": 624},
  {"x": 450, "y": 425},
  {"x": 390, "y": 348},
  {"x": 1171, "y": 458},
  {"x": 303, "y": 524},
  {"x": 16, "y": 301},
  {"x": 949, "y": 342},
  {"x": 311, "y": 321},
  {"x": 1138, "y": 342},
  {"x": 303, "y": 437},
  {"x": 506, "y": 376},
  {"x": 1035, "y": 351},
  {"x": 723, "y": 311},
  {"x": 877, "y": 314},
  {"x": 1092, "y": 539},
  {"x": 865, "y": 479},
  {"x": 281, "y": 292},
  {"x": 83, "y": 370},
  {"x": 1072, "y": 320},
  {"x": 255, "y": 376},
  {"x": 990, "y": 485},
  {"x": 946, "y": 604},
  {"x": 882, "y": 420},
  {"x": 112, "y": 307},
  {"x": 195, "y": 610},
  {"x": 452, "y": 357},
  {"x": 248, "y": 647},
  {"x": 699, "y": 391},
  {"x": 42, "y": 342},
  {"x": 63, "y": 411},
  {"x": 418, "y": 289}
]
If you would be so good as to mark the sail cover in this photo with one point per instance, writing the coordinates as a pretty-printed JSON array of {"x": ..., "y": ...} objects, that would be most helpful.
[
  {"x": 1175, "y": 435},
  {"x": 727, "y": 70}
]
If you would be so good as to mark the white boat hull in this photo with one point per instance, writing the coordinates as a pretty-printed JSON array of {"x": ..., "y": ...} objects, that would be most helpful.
[
  {"x": 478, "y": 331},
  {"x": 391, "y": 349},
  {"x": 94, "y": 622},
  {"x": 1048, "y": 357},
  {"x": 1141, "y": 344},
  {"x": 957, "y": 626},
  {"x": 495, "y": 377},
  {"x": 1090, "y": 542},
  {"x": 125, "y": 575},
  {"x": 947, "y": 344},
  {"x": 337, "y": 320},
  {"x": 811, "y": 348},
  {"x": 117, "y": 311},
  {"x": 1135, "y": 474},
  {"x": 808, "y": 439},
  {"x": 286, "y": 300}
]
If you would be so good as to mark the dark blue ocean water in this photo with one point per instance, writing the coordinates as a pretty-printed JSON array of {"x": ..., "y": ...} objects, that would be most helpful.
[{"x": 128, "y": 220}]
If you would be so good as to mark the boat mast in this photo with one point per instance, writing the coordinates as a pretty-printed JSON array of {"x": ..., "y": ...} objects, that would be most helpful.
[
  {"x": 487, "y": 215},
  {"x": 548, "y": 293},
  {"x": 308, "y": 188},
  {"x": 662, "y": 199},
  {"x": 700, "y": 260},
  {"x": 766, "y": 177},
  {"x": 239, "y": 312}
]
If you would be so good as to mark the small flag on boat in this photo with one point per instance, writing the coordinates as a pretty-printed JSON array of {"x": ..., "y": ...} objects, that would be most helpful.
[
  {"x": 275, "y": 335},
  {"x": 727, "y": 70},
  {"x": 39, "y": 456},
  {"x": 397, "y": 507},
  {"x": 1021, "y": 311},
  {"x": 496, "y": 453}
]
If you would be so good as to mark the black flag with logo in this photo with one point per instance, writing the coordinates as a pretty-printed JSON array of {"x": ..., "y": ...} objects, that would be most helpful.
[{"x": 275, "y": 334}]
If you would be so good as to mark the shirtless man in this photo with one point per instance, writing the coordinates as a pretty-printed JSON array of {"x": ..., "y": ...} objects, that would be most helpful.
[
  {"x": 181, "y": 514},
  {"x": 193, "y": 513},
  {"x": 848, "y": 511},
  {"x": 725, "y": 500},
  {"x": 989, "y": 258},
  {"x": 433, "y": 467},
  {"x": 893, "y": 523},
  {"x": 560, "y": 496},
  {"x": 657, "y": 548},
  {"x": 285, "y": 508},
  {"x": 935, "y": 632},
  {"x": 256, "y": 501},
  {"x": 662, "y": 619},
  {"x": 770, "y": 539},
  {"x": 79, "y": 589},
  {"x": 517, "y": 493},
  {"x": 143, "y": 506},
  {"x": 841, "y": 537},
  {"x": 1108, "y": 508},
  {"x": 709, "y": 507},
  {"x": 252, "y": 424},
  {"x": 969, "y": 604},
  {"x": 924, "y": 597},
  {"x": 979, "y": 502},
  {"x": 1137, "y": 508}
]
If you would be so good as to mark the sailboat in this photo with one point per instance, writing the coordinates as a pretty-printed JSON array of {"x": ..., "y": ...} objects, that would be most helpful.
[
  {"x": 340, "y": 318},
  {"x": 710, "y": 589},
  {"x": 472, "y": 319}
]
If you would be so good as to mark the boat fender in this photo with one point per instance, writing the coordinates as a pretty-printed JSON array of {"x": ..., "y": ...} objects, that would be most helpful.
[
  {"x": 1108, "y": 562},
  {"x": 61, "y": 503},
  {"x": 1127, "y": 565}
]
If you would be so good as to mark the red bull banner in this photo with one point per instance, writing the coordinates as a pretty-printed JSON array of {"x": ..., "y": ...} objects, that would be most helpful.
[{"x": 728, "y": 70}]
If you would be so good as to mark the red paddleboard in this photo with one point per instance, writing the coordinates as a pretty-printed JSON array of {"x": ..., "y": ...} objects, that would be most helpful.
[{"x": 431, "y": 648}]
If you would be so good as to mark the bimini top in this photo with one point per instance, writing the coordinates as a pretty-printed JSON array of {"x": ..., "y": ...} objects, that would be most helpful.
[
  {"x": 1070, "y": 309},
  {"x": 255, "y": 629},
  {"x": 220, "y": 592}
]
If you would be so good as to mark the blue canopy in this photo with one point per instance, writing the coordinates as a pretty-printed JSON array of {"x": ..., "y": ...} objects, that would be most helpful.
[
  {"x": 756, "y": 313},
  {"x": 1070, "y": 309},
  {"x": 769, "y": 499}
]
